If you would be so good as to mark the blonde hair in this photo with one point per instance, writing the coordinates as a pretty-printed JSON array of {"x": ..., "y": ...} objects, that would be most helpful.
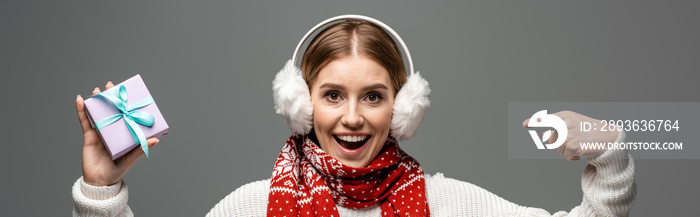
[{"x": 350, "y": 37}]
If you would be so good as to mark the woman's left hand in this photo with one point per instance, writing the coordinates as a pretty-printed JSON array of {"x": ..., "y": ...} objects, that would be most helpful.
[{"x": 571, "y": 148}]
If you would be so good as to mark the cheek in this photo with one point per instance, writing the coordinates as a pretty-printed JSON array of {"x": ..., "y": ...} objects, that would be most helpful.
[
  {"x": 324, "y": 118},
  {"x": 380, "y": 118}
]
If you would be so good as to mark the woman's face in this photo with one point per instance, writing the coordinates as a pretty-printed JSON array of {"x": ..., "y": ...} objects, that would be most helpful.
[{"x": 353, "y": 102}]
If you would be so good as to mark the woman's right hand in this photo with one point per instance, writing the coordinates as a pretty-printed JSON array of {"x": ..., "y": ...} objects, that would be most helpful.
[{"x": 98, "y": 167}]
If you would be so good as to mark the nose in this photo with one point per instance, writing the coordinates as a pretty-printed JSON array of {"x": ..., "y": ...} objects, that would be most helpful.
[{"x": 352, "y": 118}]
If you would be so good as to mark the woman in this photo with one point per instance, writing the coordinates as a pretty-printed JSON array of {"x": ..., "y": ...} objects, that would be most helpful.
[{"x": 347, "y": 110}]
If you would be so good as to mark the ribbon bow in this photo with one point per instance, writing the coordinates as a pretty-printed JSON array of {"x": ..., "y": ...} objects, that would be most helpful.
[{"x": 118, "y": 97}]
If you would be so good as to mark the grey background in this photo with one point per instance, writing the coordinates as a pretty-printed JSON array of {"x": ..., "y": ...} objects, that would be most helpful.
[{"x": 210, "y": 64}]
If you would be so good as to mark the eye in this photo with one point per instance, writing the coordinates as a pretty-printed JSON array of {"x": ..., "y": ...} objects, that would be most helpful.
[
  {"x": 333, "y": 96},
  {"x": 373, "y": 97}
]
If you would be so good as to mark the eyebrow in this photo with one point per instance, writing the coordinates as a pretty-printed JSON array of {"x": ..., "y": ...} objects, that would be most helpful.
[
  {"x": 374, "y": 87},
  {"x": 365, "y": 88}
]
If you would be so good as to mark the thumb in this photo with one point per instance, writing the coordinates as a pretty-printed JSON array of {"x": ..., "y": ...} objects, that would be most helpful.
[{"x": 129, "y": 159}]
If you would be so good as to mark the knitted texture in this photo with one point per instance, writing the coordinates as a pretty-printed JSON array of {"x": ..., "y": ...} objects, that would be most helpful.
[
  {"x": 100, "y": 201},
  {"x": 306, "y": 181},
  {"x": 607, "y": 183}
]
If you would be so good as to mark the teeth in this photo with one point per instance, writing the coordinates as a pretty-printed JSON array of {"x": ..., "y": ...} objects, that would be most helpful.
[{"x": 352, "y": 138}]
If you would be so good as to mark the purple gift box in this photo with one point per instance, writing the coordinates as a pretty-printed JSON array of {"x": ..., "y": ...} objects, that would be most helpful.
[{"x": 117, "y": 136}]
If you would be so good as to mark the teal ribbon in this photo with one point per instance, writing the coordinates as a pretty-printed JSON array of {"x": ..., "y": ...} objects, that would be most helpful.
[{"x": 117, "y": 95}]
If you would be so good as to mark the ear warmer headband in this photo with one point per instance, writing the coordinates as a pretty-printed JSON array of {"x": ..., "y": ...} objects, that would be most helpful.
[{"x": 293, "y": 99}]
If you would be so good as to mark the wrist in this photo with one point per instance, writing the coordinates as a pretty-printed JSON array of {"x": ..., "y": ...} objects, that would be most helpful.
[
  {"x": 97, "y": 192},
  {"x": 98, "y": 183}
]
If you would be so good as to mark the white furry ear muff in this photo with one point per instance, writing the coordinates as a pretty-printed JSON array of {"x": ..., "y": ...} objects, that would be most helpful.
[
  {"x": 293, "y": 100},
  {"x": 410, "y": 106}
]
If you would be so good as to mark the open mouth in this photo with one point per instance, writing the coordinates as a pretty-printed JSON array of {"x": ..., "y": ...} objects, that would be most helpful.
[{"x": 351, "y": 142}]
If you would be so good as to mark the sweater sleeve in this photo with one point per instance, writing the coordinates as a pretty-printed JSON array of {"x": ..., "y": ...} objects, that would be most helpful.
[
  {"x": 248, "y": 200},
  {"x": 91, "y": 200},
  {"x": 607, "y": 183}
]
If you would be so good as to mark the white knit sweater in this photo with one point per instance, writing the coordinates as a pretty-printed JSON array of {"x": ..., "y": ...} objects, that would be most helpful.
[{"x": 607, "y": 183}]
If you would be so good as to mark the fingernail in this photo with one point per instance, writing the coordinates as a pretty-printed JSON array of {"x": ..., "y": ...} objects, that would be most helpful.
[
  {"x": 78, "y": 97},
  {"x": 97, "y": 88},
  {"x": 157, "y": 141},
  {"x": 525, "y": 123},
  {"x": 110, "y": 82}
]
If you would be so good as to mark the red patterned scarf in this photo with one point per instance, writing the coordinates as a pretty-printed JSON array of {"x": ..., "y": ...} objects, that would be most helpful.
[{"x": 308, "y": 182}]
